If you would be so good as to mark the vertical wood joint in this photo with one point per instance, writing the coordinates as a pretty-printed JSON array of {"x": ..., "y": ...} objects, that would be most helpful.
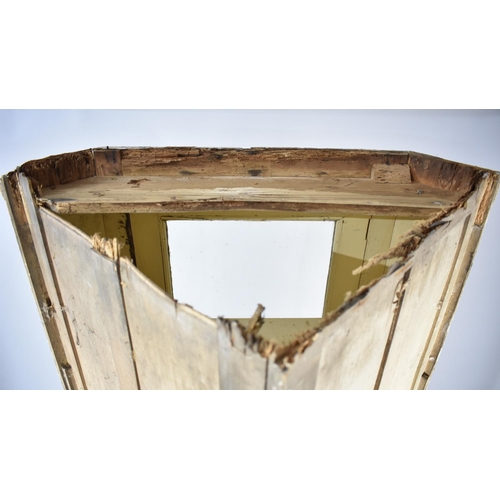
[{"x": 399, "y": 298}]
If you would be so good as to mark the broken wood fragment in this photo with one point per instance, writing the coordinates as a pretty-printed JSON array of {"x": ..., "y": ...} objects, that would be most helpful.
[{"x": 256, "y": 321}]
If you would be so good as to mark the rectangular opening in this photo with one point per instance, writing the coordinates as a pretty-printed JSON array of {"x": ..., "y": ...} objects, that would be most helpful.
[{"x": 225, "y": 268}]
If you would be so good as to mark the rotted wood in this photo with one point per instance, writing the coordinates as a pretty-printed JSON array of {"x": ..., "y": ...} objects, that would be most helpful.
[
  {"x": 108, "y": 162},
  {"x": 443, "y": 174},
  {"x": 60, "y": 169},
  {"x": 391, "y": 174},
  {"x": 387, "y": 336},
  {"x": 255, "y": 162}
]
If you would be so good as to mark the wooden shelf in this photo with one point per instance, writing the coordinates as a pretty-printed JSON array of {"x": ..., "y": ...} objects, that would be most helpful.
[{"x": 160, "y": 194}]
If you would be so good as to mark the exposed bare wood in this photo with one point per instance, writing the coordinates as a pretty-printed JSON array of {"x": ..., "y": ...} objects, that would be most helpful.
[
  {"x": 254, "y": 162},
  {"x": 108, "y": 162},
  {"x": 175, "y": 347},
  {"x": 306, "y": 211},
  {"x": 255, "y": 321},
  {"x": 160, "y": 194},
  {"x": 90, "y": 288},
  {"x": 60, "y": 169},
  {"x": 443, "y": 174},
  {"x": 391, "y": 174},
  {"x": 313, "y": 211},
  {"x": 490, "y": 190}
]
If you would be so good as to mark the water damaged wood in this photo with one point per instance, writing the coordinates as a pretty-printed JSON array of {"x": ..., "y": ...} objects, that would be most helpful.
[
  {"x": 443, "y": 174},
  {"x": 254, "y": 162},
  {"x": 112, "y": 327},
  {"x": 60, "y": 169}
]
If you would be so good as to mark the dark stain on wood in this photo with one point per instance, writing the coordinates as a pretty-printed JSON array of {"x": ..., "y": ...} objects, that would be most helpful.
[
  {"x": 60, "y": 169},
  {"x": 255, "y": 172},
  {"x": 290, "y": 162},
  {"x": 108, "y": 162},
  {"x": 137, "y": 182},
  {"x": 443, "y": 174}
]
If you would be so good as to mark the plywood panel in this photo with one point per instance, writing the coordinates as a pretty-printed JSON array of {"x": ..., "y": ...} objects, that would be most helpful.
[
  {"x": 91, "y": 295},
  {"x": 174, "y": 346}
]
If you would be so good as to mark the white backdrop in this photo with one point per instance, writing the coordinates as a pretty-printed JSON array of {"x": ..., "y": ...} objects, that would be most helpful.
[{"x": 471, "y": 355}]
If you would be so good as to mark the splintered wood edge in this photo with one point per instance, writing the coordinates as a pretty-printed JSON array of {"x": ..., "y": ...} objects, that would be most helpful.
[
  {"x": 69, "y": 167},
  {"x": 285, "y": 354}
]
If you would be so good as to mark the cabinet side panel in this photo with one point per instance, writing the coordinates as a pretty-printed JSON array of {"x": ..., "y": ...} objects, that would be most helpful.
[{"x": 90, "y": 291}]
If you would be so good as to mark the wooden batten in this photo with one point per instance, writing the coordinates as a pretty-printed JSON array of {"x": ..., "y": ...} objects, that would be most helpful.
[{"x": 112, "y": 326}]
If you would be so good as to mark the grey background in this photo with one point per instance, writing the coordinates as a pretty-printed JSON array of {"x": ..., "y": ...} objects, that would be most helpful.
[{"x": 471, "y": 354}]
